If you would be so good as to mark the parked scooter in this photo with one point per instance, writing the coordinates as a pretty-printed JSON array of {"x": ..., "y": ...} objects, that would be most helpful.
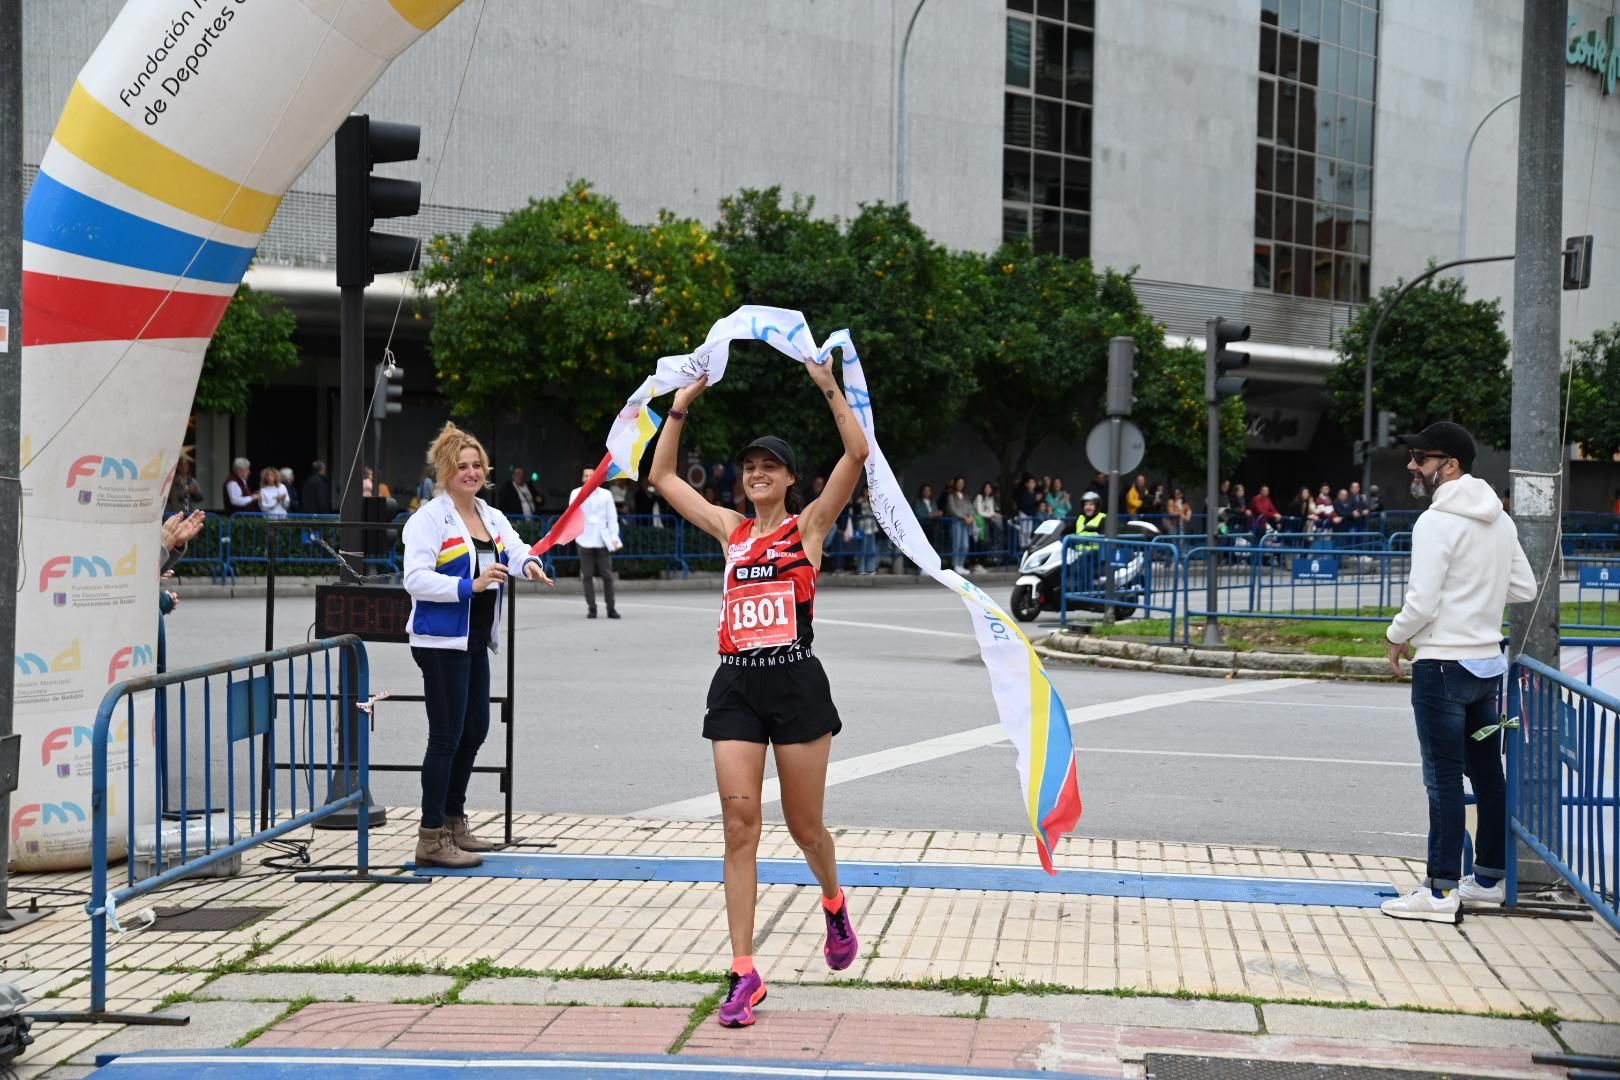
[{"x": 1040, "y": 572}]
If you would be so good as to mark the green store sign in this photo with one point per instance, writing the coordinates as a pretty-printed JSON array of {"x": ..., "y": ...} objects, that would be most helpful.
[{"x": 1590, "y": 51}]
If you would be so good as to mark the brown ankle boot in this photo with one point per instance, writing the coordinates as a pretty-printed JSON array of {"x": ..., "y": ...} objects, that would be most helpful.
[
  {"x": 463, "y": 836},
  {"x": 437, "y": 847}
]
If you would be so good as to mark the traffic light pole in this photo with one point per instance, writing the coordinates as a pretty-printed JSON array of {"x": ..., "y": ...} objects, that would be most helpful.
[
  {"x": 352, "y": 413},
  {"x": 1212, "y": 486}
]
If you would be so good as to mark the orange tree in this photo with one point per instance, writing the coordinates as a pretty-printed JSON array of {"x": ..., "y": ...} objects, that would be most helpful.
[
  {"x": 1042, "y": 326},
  {"x": 254, "y": 339},
  {"x": 1594, "y": 417},
  {"x": 567, "y": 303},
  {"x": 878, "y": 275},
  {"x": 1441, "y": 356}
]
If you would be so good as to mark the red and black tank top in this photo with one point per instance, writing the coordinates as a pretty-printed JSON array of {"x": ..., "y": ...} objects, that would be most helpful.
[{"x": 770, "y": 592}]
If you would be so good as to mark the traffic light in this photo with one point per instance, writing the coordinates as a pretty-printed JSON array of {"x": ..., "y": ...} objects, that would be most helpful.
[
  {"x": 363, "y": 143},
  {"x": 1386, "y": 428},
  {"x": 1121, "y": 375},
  {"x": 1219, "y": 359},
  {"x": 385, "y": 401},
  {"x": 1577, "y": 263}
]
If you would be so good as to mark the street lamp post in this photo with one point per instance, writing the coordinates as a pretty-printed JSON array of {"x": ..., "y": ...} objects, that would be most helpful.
[
  {"x": 1462, "y": 205},
  {"x": 900, "y": 111},
  {"x": 1372, "y": 352}
]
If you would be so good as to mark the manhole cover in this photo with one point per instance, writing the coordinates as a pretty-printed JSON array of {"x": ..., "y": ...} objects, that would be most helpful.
[
  {"x": 208, "y": 918},
  {"x": 1183, "y": 1067}
]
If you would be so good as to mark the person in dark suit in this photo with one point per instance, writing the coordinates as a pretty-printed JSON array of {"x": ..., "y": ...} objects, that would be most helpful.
[
  {"x": 517, "y": 499},
  {"x": 316, "y": 496}
]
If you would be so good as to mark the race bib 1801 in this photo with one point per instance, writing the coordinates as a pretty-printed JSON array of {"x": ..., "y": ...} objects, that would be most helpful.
[{"x": 761, "y": 614}]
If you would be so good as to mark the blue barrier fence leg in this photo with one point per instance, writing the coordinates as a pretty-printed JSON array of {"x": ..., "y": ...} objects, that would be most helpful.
[{"x": 357, "y": 670}]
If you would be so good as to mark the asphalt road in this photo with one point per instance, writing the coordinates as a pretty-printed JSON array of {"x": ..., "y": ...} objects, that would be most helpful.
[{"x": 608, "y": 722}]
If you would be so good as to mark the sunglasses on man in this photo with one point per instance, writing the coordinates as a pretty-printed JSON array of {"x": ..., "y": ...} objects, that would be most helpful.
[{"x": 1420, "y": 456}]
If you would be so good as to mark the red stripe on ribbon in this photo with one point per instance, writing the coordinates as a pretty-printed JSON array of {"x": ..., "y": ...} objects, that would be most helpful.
[
  {"x": 63, "y": 310},
  {"x": 572, "y": 522},
  {"x": 1061, "y": 819}
]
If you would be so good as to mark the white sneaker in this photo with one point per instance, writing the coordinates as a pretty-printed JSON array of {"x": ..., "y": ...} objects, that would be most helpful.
[
  {"x": 1423, "y": 904},
  {"x": 1472, "y": 894}
]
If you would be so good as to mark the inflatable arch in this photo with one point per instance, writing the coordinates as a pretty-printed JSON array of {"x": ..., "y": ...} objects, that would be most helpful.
[{"x": 177, "y": 143}]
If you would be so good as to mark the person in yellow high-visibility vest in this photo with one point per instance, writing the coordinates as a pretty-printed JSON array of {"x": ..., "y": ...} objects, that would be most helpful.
[{"x": 1092, "y": 516}]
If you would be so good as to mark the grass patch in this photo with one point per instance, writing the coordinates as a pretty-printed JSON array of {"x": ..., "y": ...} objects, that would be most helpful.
[
  {"x": 983, "y": 987},
  {"x": 700, "y": 1013},
  {"x": 292, "y": 1007},
  {"x": 173, "y": 998},
  {"x": 1324, "y": 637}
]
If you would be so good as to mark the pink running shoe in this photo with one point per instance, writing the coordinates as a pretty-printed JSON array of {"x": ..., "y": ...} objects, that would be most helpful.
[
  {"x": 746, "y": 991},
  {"x": 841, "y": 945}
]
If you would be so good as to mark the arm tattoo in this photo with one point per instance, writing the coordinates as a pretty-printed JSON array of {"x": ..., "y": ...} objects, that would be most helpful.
[{"x": 830, "y": 395}]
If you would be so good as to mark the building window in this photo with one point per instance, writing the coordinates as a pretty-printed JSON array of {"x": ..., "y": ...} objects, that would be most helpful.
[
  {"x": 1314, "y": 162},
  {"x": 1046, "y": 131}
]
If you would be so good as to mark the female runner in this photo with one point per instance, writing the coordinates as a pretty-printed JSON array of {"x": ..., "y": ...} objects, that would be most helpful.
[{"x": 769, "y": 687}]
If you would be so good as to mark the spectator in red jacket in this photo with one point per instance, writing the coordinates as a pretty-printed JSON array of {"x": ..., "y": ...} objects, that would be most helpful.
[{"x": 1263, "y": 512}]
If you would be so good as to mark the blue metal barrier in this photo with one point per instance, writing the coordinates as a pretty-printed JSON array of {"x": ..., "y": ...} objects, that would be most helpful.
[
  {"x": 323, "y": 750},
  {"x": 1597, "y": 592},
  {"x": 211, "y": 549},
  {"x": 1263, "y": 582},
  {"x": 1585, "y": 543},
  {"x": 1562, "y": 762},
  {"x": 1145, "y": 575},
  {"x": 1602, "y": 662}
]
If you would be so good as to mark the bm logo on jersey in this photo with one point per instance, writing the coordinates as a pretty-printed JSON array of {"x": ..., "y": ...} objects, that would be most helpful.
[{"x": 754, "y": 573}]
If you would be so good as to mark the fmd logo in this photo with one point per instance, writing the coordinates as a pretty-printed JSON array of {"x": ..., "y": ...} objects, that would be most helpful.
[
  {"x": 94, "y": 566},
  {"x": 61, "y": 739},
  {"x": 106, "y": 467},
  {"x": 44, "y": 814},
  {"x": 127, "y": 657},
  {"x": 33, "y": 663}
]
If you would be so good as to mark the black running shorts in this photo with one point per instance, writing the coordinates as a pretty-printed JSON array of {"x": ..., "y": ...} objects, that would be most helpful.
[{"x": 771, "y": 703}]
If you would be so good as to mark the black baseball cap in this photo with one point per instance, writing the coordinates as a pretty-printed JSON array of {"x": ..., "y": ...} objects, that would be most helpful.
[
  {"x": 1450, "y": 439},
  {"x": 777, "y": 448}
]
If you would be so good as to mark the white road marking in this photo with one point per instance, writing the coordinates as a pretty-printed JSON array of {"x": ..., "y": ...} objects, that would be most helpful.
[
  {"x": 1084, "y": 750},
  {"x": 1330, "y": 705},
  {"x": 898, "y": 757}
]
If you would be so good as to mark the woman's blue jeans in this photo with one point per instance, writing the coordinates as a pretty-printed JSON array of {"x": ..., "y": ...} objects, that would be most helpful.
[
  {"x": 455, "y": 683},
  {"x": 1449, "y": 704}
]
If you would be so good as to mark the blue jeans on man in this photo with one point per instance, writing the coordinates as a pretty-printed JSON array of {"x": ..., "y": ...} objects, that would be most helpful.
[{"x": 1450, "y": 704}]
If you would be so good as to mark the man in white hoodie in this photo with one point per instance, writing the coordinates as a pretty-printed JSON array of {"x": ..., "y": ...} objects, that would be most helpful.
[{"x": 1466, "y": 566}]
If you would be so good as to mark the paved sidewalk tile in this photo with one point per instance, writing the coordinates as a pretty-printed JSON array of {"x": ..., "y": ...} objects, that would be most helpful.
[
  {"x": 862, "y": 1000},
  {"x": 1123, "y": 1011},
  {"x": 903, "y": 1040},
  {"x": 625, "y": 1031},
  {"x": 786, "y": 1035},
  {"x": 608, "y": 992},
  {"x": 213, "y": 1024},
  {"x": 1600, "y": 1039},
  {"x": 1390, "y": 1025},
  {"x": 493, "y": 1028},
  {"x": 247, "y": 986},
  {"x": 344, "y": 1026}
]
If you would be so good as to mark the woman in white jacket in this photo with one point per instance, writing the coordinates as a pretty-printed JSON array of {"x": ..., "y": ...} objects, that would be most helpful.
[{"x": 459, "y": 551}]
